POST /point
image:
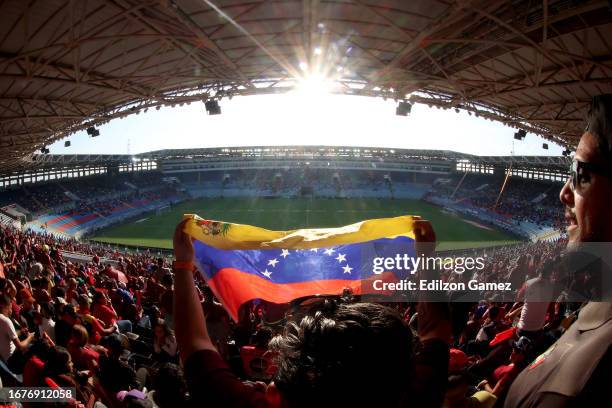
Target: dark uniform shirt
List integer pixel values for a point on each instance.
(575, 371)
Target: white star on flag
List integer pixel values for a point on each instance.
(329, 251)
(273, 262)
(347, 269)
(285, 253)
(267, 274)
(341, 258)
(314, 250)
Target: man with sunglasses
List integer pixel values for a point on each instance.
(575, 370)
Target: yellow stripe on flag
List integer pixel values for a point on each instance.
(224, 235)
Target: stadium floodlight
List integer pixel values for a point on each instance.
(212, 107)
(67, 143)
(520, 135)
(545, 146)
(403, 108)
(91, 130)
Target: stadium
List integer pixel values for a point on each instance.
(137, 200)
(260, 297)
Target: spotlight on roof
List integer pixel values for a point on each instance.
(44, 150)
(90, 130)
(545, 146)
(93, 132)
(520, 135)
(212, 107)
(67, 143)
(403, 108)
(566, 152)
(457, 110)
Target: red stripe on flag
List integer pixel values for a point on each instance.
(234, 288)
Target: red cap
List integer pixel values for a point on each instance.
(458, 360)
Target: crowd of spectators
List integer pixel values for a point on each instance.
(522, 200)
(105, 326)
(44, 196)
(107, 207)
(35, 198)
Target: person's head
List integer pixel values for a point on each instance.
(588, 192)
(342, 348)
(79, 336)
(495, 313)
(41, 349)
(84, 302)
(5, 305)
(167, 280)
(114, 345)
(99, 298)
(69, 315)
(169, 385)
(154, 313)
(58, 363)
(161, 330)
(520, 349)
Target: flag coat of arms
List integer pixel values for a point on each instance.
(242, 262)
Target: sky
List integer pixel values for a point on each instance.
(304, 117)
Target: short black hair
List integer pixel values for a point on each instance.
(169, 385)
(57, 362)
(353, 355)
(600, 123)
(494, 312)
(113, 343)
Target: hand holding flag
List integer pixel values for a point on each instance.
(242, 262)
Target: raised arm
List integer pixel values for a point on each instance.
(189, 322)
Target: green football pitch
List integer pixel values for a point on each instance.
(155, 230)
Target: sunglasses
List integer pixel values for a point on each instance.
(577, 169)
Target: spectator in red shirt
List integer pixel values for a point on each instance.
(33, 369)
(83, 356)
(503, 376)
(103, 310)
(353, 355)
(95, 327)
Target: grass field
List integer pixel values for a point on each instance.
(151, 230)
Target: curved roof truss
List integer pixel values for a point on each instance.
(66, 65)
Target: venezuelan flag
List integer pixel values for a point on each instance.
(242, 262)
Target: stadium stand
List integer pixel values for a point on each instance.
(83, 316)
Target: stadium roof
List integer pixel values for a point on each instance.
(67, 65)
(41, 162)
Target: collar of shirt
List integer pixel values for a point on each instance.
(594, 315)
